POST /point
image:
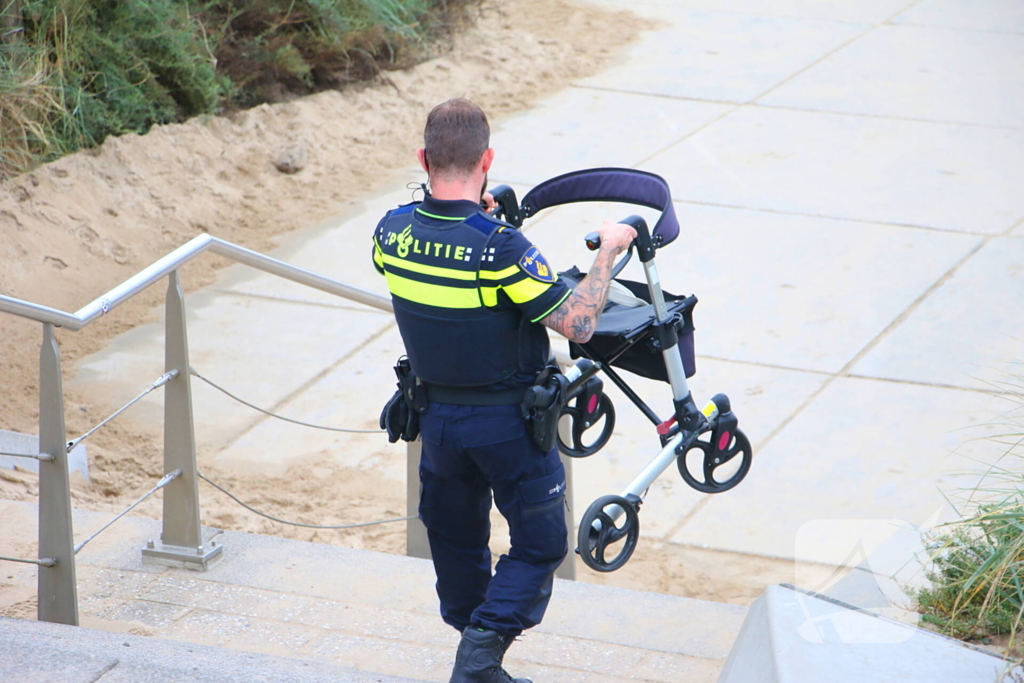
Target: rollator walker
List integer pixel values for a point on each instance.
(646, 331)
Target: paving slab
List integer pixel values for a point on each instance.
(863, 450)
(929, 74)
(968, 333)
(793, 291)
(718, 56)
(872, 11)
(973, 15)
(878, 170)
(580, 128)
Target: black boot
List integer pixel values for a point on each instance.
(478, 659)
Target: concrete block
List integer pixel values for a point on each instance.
(719, 56)
(866, 169)
(929, 74)
(791, 636)
(15, 442)
(970, 15)
(968, 333)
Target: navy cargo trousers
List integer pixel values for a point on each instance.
(468, 453)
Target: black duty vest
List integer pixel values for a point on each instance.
(433, 274)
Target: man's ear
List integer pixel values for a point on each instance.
(487, 159)
(421, 154)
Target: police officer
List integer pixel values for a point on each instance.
(472, 297)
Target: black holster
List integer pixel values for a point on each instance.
(401, 414)
(542, 405)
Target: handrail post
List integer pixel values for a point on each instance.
(416, 542)
(180, 544)
(57, 586)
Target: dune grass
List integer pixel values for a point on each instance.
(977, 579)
(73, 72)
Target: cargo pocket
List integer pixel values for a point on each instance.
(542, 532)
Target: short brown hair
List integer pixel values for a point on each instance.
(456, 136)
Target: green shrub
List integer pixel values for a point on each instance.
(977, 578)
(80, 70)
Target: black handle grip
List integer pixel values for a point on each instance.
(593, 239)
(635, 222)
(508, 205)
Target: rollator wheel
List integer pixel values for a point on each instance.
(601, 422)
(716, 471)
(603, 545)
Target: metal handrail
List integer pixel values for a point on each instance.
(180, 543)
(174, 260)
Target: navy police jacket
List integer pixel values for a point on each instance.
(468, 292)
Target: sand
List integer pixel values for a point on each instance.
(74, 228)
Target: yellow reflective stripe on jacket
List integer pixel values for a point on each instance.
(520, 291)
(499, 274)
(525, 290)
(431, 294)
(436, 271)
(378, 256)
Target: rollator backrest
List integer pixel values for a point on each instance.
(626, 185)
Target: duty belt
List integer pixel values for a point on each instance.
(474, 396)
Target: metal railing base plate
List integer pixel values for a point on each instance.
(197, 559)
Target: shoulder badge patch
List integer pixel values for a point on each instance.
(534, 265)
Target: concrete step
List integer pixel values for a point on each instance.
(38, 652)
(375, 612)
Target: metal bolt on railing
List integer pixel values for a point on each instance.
(41, 457)
(43, 562)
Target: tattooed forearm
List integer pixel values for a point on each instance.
(576, 319)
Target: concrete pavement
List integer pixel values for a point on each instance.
(848, 176)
